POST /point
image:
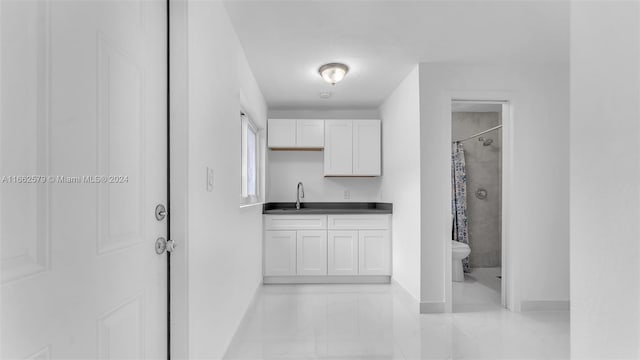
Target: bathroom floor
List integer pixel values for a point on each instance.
(480, 291)
(381, 322)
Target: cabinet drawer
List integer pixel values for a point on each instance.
(358, 222)
(295, 222)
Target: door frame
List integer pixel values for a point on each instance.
(509, 291)
(168, 198)
(177, 121)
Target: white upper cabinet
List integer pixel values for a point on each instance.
(281, 133)
(366, 147)
(310, 133)
(295, 134)
(338, 147)
(352, 148)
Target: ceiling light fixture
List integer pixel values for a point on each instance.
(333, 72)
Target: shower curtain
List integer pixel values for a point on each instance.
(459, 198)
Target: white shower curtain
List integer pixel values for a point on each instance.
(459, 198)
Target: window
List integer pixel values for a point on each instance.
(250, 162)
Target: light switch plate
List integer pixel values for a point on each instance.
(347, 194)
(209, 179)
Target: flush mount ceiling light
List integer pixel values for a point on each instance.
(333, 73)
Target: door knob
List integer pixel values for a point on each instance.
(163, 245)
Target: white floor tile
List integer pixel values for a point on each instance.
(479, 292)
(374, 322)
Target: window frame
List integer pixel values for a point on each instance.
(245, 124)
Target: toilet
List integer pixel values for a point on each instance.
(459, 251)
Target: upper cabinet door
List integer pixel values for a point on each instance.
(366, 147)
(281, 133)
(338, 150)
(310, 134)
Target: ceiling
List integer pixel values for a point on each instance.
(286, 41)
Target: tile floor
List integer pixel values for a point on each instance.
(377, 322)
(480, 291)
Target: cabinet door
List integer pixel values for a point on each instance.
(280, 253)
(342, 258)
(366, 147)
(310, 134)
(374, 252)
(338, 152)
(281, 133)
(312, 252)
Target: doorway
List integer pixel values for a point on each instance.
(477, 205)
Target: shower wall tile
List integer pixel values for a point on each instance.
(483, 171)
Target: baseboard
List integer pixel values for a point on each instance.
(544, 305)
(410, 302)
(360, 279)
(432, 307)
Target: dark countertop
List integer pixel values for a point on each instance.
(331, 208)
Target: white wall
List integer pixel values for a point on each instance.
(539, 247)
(400, 114)
(219, 260)
(287, 168)
(605, 178)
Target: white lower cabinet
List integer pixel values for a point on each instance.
(312, 252)
(343, 252)
(280, 253)
(374, 252)
(312, 246)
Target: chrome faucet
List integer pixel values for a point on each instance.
(298, 195)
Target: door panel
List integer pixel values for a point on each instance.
(310, 133)
(281, 133)
(343, 252)
(374, 252)
(83, 116)
(312, 252)
(366, 147)
(338, 151)
(279, 253)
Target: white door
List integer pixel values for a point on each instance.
(366, 147)
(312, 252)
(279, 253)
(374, 252)
(83, 117)
(338, 140)
(310, 133)
(281, 133)
(342, 252)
